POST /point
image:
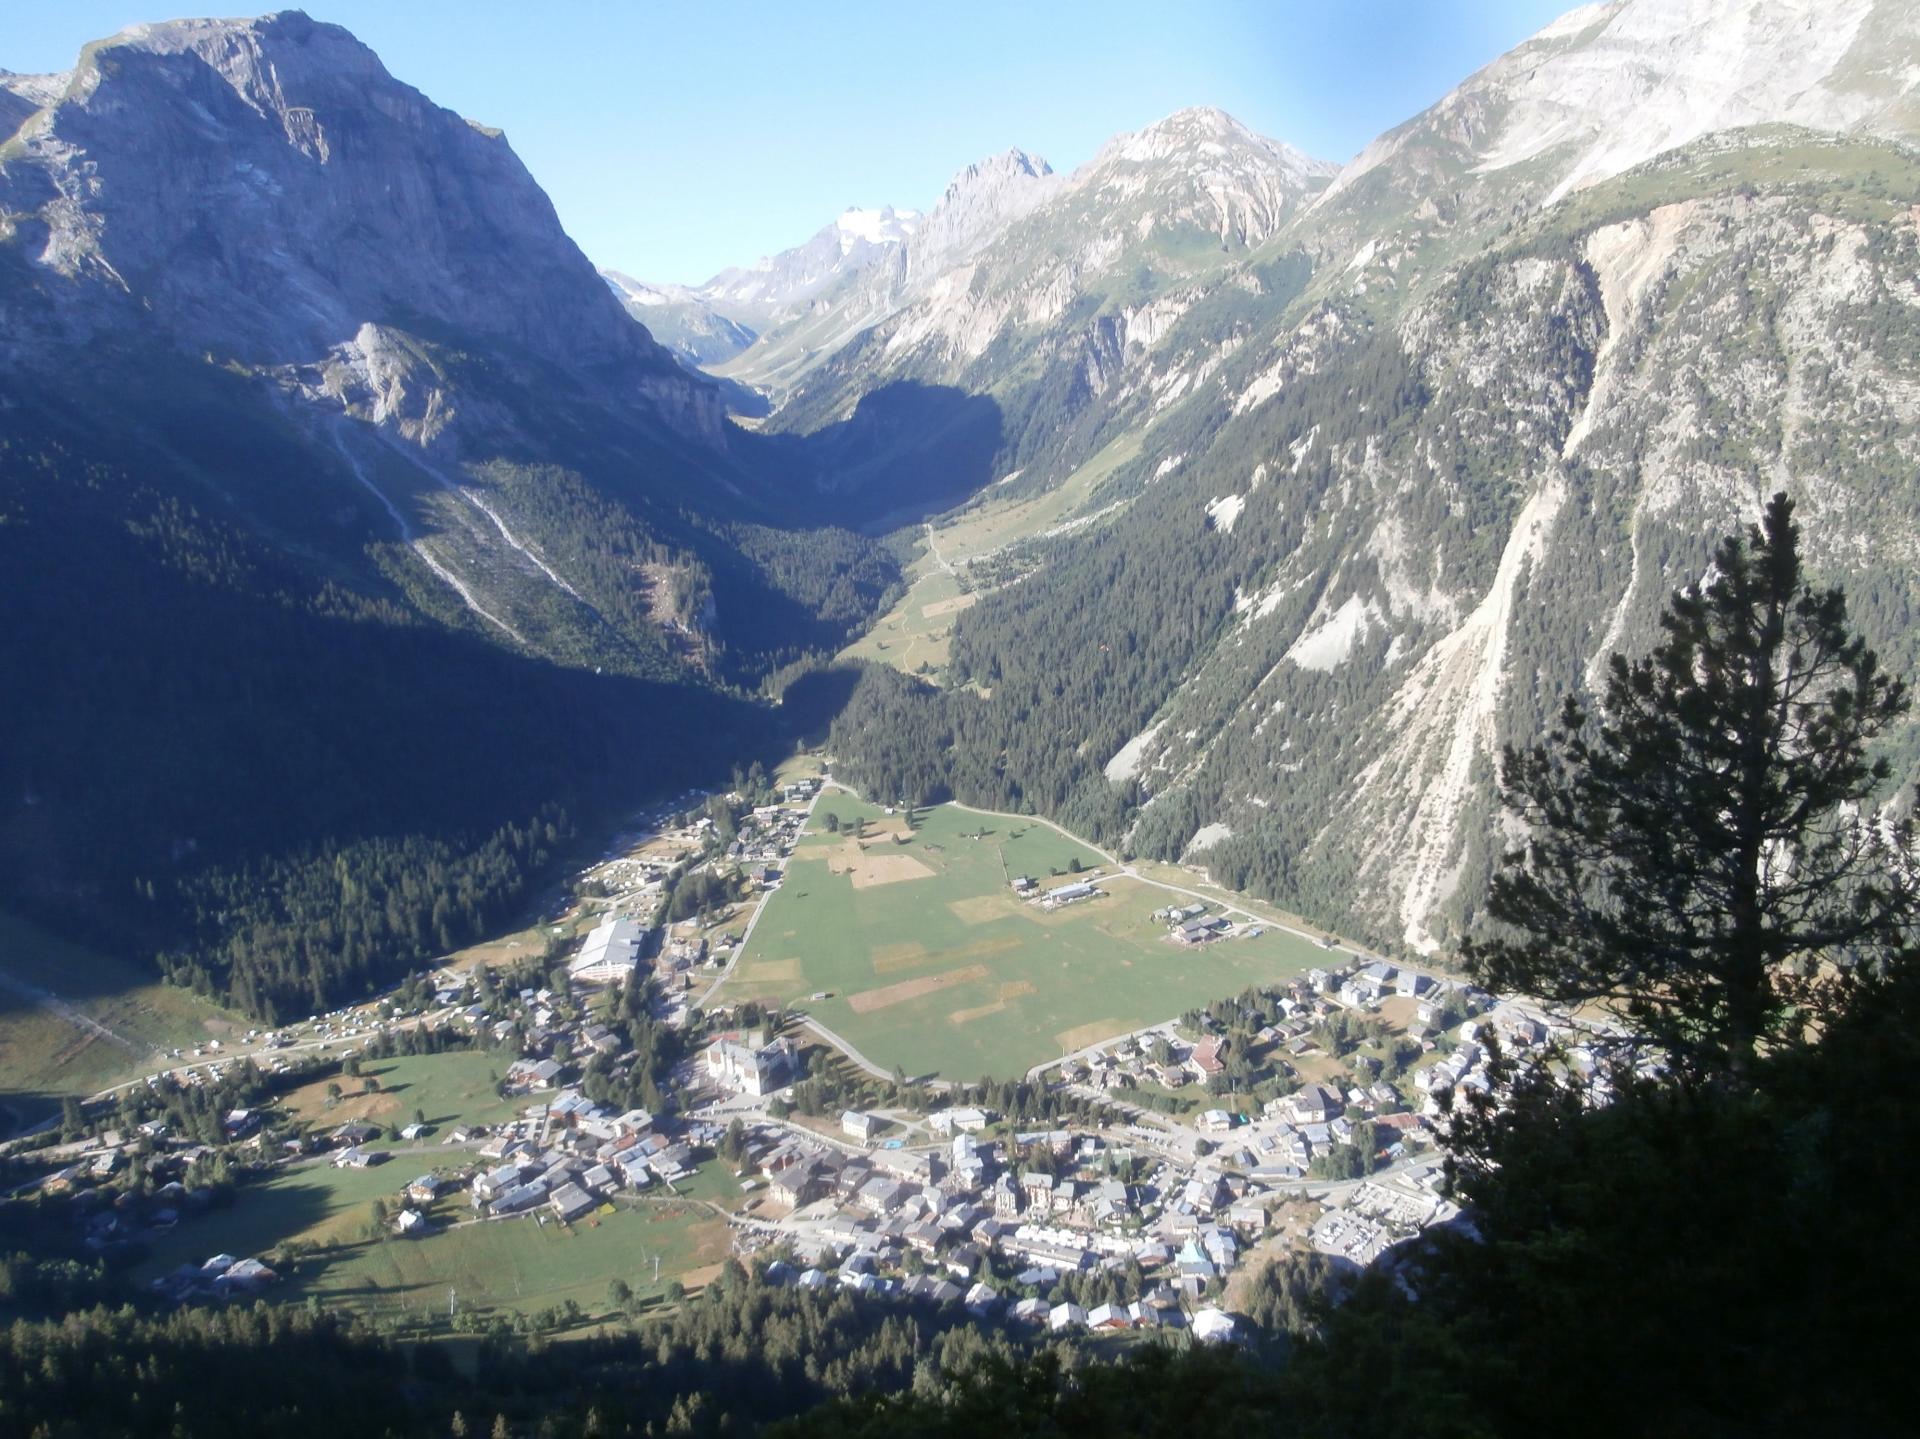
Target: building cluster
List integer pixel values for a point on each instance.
(570, 1156)
(767, 833)
(998, 1224)
(1362, 1225)
(1195, 923)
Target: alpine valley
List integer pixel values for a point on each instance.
(365, 548)
(1213, 792)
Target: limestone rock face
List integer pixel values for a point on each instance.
(264, 188)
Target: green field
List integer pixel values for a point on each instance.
(916, 635)
(459, 1087)
(516, 1263)
(522, 1264)
(933, 965)
(44, 1055)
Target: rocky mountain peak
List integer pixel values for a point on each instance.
(1202, 138)
(979, 202)
(1202, 167)
(1607, 87)
(265, 191)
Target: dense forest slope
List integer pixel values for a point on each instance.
(1441, 442)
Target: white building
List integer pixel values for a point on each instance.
(612, 951)
(752, 1069)
(1213, 1326)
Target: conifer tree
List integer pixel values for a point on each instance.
(1701, 854)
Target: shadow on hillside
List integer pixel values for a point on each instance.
(813, 701)
(907, 452)
(21, 1109)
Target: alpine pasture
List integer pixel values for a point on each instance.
(930, 962)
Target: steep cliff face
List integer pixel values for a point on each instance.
(261, 198)
(265, 188)
(1525, 359)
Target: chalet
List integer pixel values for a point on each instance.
(1216, 1121)
(1109, 1316)
(851, 1179)
(671, 1162)
(534, 1073)
(599, 1179)
(798, 1184)
(570, 1201)
(1066, 1316)
(857, 1125)
(879, 1194)
(425, 1189)
(1401, 1126)
(1206, 1056)
(963, 1261)
(1519, 1029)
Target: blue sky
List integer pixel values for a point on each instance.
(677, 139)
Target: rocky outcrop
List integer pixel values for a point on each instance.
(264, 189)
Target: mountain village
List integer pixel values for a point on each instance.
(1125, 1218)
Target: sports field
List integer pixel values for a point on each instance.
(933, 964)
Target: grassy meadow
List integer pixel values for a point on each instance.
(519, 1263)
(931, 963)
(45, 1055)
(450, 1089)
